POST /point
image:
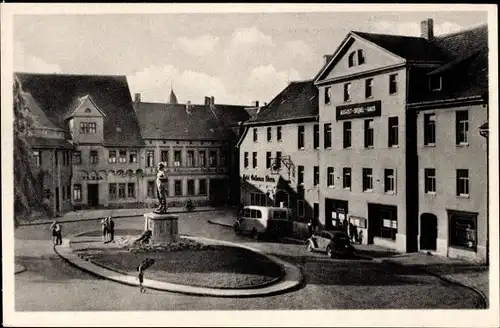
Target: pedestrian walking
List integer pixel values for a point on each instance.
(111, 224)
(140, 275)
(104, 227)
(56, 233)
(59, 234)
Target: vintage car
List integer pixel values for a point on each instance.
(261, 221)
(333, 242)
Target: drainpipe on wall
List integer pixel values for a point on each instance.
(484, 133)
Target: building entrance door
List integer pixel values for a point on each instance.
(93, 194)
(428, 231)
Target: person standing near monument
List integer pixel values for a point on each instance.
(161, 188)
(111, 226)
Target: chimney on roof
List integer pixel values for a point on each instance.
(188, 107)
(137, 97)
(257, 103)
(212, 100)
(207, 101)
(327, 58)
(427, 29)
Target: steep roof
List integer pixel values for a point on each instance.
(407, 47)
(49, 143)
(466, 74)
(297, 100)
(231, 115)
(57, 95)
(40, 119)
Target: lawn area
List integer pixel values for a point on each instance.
(213, 266)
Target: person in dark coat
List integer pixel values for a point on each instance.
(111, 227)
(104, 227)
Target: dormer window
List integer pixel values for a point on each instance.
(435, 83)
(87, 110)
(356, 57)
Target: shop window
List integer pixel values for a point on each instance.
(330, 182)
(347, 134)
(393, 84)
(430, 181)
(463, 230)
(328, 135)
(368, 133)
(77, 192)
(393, 131)
(301, 135)
(316, 136)
(462, 127)
(151, 189)
(346, 178)
(429, 129)
(463, 183)
(367, 179)
(131, 190)
(112, 191)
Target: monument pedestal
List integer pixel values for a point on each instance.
(164, 227)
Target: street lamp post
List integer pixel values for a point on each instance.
(483, 131)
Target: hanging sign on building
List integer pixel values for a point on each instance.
(368, 109)
(254, 177)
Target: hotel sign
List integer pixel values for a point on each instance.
(254, 177)
(368, 109)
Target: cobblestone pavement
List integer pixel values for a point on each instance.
(51, 284)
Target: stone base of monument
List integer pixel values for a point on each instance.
(164, 227)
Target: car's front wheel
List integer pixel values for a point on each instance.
(329, 251)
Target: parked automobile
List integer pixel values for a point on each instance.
(333, 242)
(262, 220)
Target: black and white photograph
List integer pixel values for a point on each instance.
(250, 165)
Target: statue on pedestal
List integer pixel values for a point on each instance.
(161, 188)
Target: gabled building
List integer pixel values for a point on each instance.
(197, 144)
(94, 114)
(279, 153)
(372, 97)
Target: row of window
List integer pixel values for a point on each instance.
(66, 158)
(393, 89)
(389, 178)
(122, 156)
(462, 182)
(88, 128)
(461, 128)
(191, 160)
(178, 188)
(269, 134)
(121, 190)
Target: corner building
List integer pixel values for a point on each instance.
(279, 152)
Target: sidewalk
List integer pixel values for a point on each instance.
(117, 213)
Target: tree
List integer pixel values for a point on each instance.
(27, 197)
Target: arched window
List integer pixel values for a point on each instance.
(352, 59)
(361, 57)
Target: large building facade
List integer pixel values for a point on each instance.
(91, 152)
(373, 98)
(279, 152)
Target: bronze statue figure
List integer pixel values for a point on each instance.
(161, 188)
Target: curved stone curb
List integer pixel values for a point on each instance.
(481, 296)
(18, 268)
(292, 279)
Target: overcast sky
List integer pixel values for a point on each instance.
(237, 58)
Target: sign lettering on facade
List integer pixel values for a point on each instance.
(254, 177)
(368, 109)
